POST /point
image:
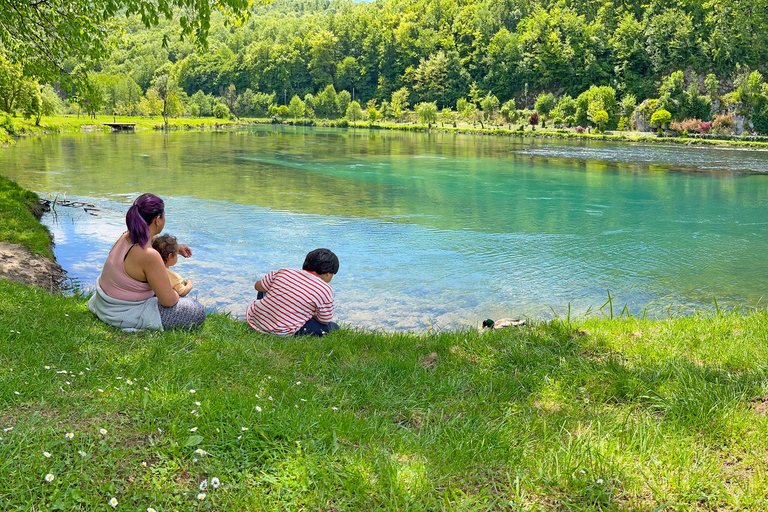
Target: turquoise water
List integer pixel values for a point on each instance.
(439, 228)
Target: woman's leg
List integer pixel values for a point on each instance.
(315, 328)
(187, 313)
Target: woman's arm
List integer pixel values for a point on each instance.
(157, 277)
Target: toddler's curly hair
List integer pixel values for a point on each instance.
(166, 245)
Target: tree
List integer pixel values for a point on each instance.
(12, 83)
(427, 112)
(545, 102)
(370, 109)
(220, 111)
(399, 103)
(342, 101)
(661, 118)
(203, 102)
(46, 34)
(489, 104)
(50, 103)
(600, 119)
(169, 94)
(354, 112)
(296, 108)
(229, 97)
(508, 111)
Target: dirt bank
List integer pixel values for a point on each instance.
(18, 264)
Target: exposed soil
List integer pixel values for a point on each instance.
(20, 265)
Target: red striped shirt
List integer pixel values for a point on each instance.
(293, 297)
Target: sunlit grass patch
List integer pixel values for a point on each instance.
(595, 415)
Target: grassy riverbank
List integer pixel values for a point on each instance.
(69, 124)
(599, 415)
(18, 224)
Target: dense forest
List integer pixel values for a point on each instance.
(582, 62)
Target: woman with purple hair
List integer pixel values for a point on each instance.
(133, 291)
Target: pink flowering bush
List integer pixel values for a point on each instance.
(579, 129)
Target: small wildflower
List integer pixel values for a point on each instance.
(193, 411)
(69, 435)
(194, 460)
(200, 451)
(244, 429)
(47, 367)
(118, 378)
(87, 369)
(334, 408)
(146, 388)
(129, 382)
(296, 406)
(67, 383)
(582, 472)
(193, 429)
(62, 371)
(302, 399)
(215, 483)
(239, 437)
(16, 393)
(586, 400)
(113, 502)
(81, 453)
(269, 398)
(7, 429)
(599, 481)
(159, 430)
(103, 431)
(100, 390)
(81, 373)
(217, 430)
(298, 383)
(258, 409)
(144, 463)
(150, 509)
(204, 485)
(192, 391)
(197, 404)
(46, 455)
(201, 496)
(257, 396)
(49, 477)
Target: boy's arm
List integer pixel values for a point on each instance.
(324, 313)
(263, 284)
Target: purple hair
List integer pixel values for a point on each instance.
(144, 210)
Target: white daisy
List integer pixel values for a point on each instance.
(113, 502)
(47, 367)
(215, 483)
(200, 451)
(204, 485)
(192, 391)
(244, 429)
(193, 429)
(150, 509)
(100, 390)
(46, 455)
(69, 435)
(258, 409)
(81, 453)
(197, 404)
(599, 481)
(201, 496)
(49, 477)
(103, 431)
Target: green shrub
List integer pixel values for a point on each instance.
(661, 117)
(220, 111)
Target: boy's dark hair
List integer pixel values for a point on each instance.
(321, 261)
(166, 245)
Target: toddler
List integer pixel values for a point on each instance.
(168, 248)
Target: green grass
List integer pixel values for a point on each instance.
(17, 223)
(600, 415)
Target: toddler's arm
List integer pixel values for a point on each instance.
(187, 288)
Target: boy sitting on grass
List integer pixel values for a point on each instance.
(296, 302)
(168, 248)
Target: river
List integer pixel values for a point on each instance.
(432, 230)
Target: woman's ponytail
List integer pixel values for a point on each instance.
(143, 211)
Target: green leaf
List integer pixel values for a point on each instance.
(193, 441)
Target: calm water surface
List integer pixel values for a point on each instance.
(438, 228)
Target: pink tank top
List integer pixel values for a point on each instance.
(116, 282)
